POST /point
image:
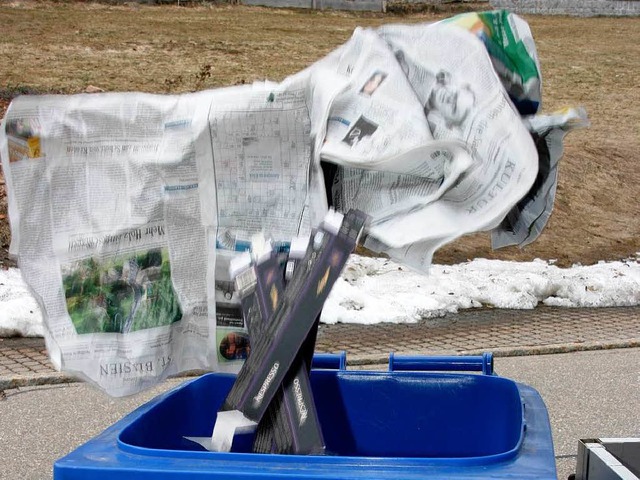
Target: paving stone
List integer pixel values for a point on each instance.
(505, 332)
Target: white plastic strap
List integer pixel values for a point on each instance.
(229, 423)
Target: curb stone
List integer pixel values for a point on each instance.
(505, 333)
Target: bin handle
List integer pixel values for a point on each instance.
(330, 361)
(454, 363)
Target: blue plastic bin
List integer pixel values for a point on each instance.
(377, 425)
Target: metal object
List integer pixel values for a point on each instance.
(608, 459)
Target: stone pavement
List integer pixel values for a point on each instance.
(24, 361)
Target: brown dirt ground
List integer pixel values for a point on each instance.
(594, 62)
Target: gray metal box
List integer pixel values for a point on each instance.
(608, 459)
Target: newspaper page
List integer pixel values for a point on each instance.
(526, 220)
(462, 102)
(254, 161)
(377, 130)
(107, 231)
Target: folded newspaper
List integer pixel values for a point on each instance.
(126, 209)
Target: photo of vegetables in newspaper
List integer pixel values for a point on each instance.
(122, 294)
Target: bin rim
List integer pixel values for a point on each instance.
(328, 460)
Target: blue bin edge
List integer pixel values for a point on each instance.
(103, 458)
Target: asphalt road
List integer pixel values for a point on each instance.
(588, 395)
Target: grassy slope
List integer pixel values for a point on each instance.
(592, 62)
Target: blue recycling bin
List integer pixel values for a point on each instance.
(406, 423)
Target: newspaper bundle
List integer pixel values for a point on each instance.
(126, 208)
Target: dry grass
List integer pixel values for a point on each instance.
(164, 49)
(168, 49)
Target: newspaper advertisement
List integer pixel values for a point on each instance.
(127, 209)
(509, 43)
